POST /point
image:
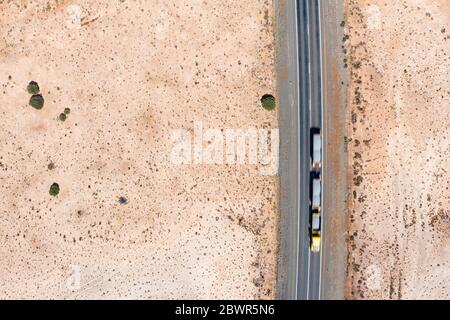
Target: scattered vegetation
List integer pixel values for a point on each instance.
(54, 189)
(37, 101)
(123, 200)
(33, 87)
(62, 117)
(268, 102)
(357, 181)
(66, 111)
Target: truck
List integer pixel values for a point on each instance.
(316, 199)
(316, 194)
(315, 232)
(316, 150)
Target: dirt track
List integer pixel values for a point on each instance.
(399, 148)
(131, 72)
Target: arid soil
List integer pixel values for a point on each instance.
(399, 149)
(131, 72)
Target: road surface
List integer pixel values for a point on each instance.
(298, 25)
(310, 57)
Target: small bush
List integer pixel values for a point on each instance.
(268, 102)
(33, 87)
(123, 200)
(66, 110)
(37, 101)
(54, 189)
(62, 117)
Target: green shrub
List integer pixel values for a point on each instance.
(33, 87)
(66, 110)
(37, 101)
(62, 117)
(123, 200)
(54, 189)
(268, 102)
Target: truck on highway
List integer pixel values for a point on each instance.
(316, 199)
(315, 232)
(316, 194)
(316, 149)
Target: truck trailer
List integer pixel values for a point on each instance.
(316, 156)
(316, 202)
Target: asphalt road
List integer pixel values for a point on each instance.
(300, 90)
(288, 91)
(310, 104)
(311, 94)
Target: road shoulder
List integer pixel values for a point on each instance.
(335, 185)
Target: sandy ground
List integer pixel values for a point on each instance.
(399, 147)
(132, 72)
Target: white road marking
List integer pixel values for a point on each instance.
(310, 106)
(319, 8)
(309, 58)
(298, 138)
